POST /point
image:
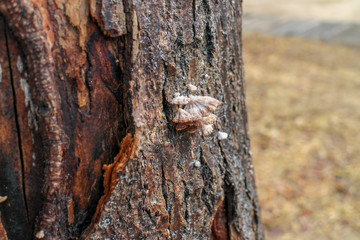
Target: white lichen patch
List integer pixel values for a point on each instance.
(19, 65)
(33, 156)
(222, 135)
(28, 103)
(26, 88)
(197, 164)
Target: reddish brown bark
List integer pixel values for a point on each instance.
(78, 77)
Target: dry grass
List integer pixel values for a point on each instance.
(304, 112)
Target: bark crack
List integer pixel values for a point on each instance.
(165, 104)
(165, 196)
(207, 176)
(194, 18)
(209, 38)
(17, 124)
(186, 195)
(87, 79)
(167, 109)
(228, 190)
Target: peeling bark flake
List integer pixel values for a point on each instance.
(110, 16)
(113, 17)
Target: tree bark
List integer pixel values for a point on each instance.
(88, 148)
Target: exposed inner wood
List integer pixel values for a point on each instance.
(128, 149)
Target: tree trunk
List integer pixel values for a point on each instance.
(88, 148)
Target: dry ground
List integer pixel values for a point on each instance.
(304, 111)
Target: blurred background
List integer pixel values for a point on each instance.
(302, 70)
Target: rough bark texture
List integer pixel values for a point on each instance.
(84, 81)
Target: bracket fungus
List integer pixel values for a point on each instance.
(197, 114)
